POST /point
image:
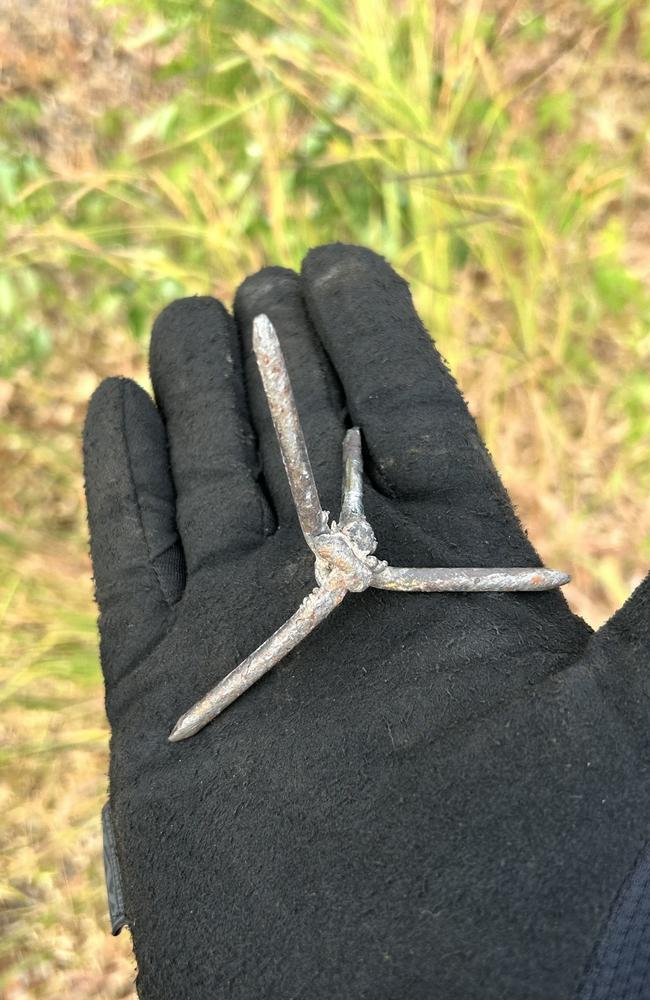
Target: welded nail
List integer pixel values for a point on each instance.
(277, 388)
(468, 579)
(313, 610)
(343, 551)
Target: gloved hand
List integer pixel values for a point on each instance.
(434, 795)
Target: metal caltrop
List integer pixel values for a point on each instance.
(343, 551)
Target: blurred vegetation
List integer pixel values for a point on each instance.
(495, 152)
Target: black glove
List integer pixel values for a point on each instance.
(434, 795)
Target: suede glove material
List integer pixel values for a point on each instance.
(434, 795)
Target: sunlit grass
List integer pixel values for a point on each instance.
(52, 777)
(495, 153)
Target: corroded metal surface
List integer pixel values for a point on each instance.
(352, 520)
(352, 490)
(467, 580)
(275, 379)
(344, 561)
(315, 607)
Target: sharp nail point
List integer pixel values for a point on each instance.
(177, 733)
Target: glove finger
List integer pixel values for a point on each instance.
(619, 653)
(276, 292)
(137, 558)
(422, 444)
(196, 372)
